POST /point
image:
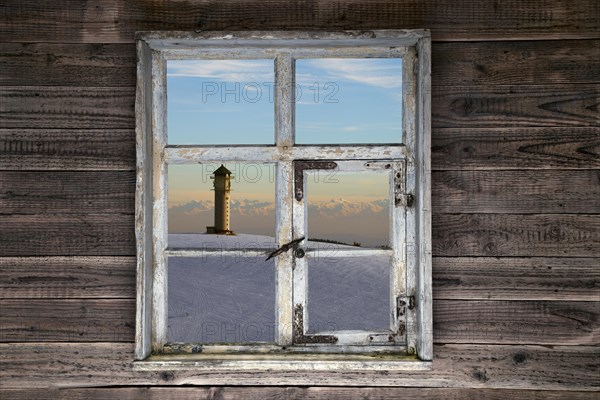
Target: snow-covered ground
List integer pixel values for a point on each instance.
(232, 299)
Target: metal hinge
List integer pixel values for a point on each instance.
(403, 303)
(406, 200)
(300, 337)
(300, 166)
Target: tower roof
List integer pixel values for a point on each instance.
(222, 171)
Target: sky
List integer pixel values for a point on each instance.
(231, 102)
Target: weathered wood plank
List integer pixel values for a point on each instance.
(455, 321)
(67, 234)
(515, 148)
(49, 64)
(505, 192)
(67, 149)
(512, 106)
(454, 235)
(81, 320)
(516, 63)
(478, 278)
(38, 365)
(478, 148)
(464, 63)
(67, 107)
(113, 21)
(289, 393)
(42, 192)
(67, 277)
(475, 106)
(514, 235)
(518, 322)
(509, 278)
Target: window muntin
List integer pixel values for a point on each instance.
(412, 150)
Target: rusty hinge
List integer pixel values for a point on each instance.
(403, 303)
(300, 337)
(301, 166)
(407, 200)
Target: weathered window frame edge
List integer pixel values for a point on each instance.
(150, 116)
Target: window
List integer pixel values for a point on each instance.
(283, 200)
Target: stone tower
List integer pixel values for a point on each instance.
(222, 187)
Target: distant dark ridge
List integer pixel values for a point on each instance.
(333, 241)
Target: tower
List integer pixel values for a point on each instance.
(222, 188)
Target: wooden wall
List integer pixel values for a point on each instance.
(516, 194)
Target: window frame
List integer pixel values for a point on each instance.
(154, 154)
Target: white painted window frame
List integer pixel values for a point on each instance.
(410, 214)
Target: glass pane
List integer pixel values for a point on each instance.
(340, 100)
(220, 101)
(231, 205)
(348, 208)
(215, 299)
(348, 293)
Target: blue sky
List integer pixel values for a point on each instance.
(337, 101)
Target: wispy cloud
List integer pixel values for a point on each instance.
(223, 70)
(383, 73)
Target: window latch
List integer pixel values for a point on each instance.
(285, 248)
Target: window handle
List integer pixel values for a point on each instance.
(285, 248)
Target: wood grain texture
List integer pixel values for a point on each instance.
(66, 107)
(506, 192)
(39, 365)
(115, 21)
(67, 149)
(67, 277)
(477, 278)
(515, 148)
(454, 235)
(288, 393)
(475, 106)
(43, 192)
(69, 234)
(532, 278)
(512, 106)
(518, 322)
(465, 63)
(453, 149)
(58, 64)
(81, 320)
(455, 321)
(516, 235)
(516, 63)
